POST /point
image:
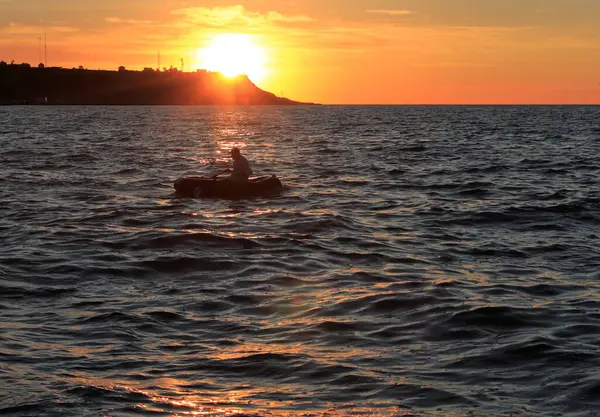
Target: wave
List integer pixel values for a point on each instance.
(19, 292)
(424, 258)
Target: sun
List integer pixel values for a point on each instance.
(232, 55)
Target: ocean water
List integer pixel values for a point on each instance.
(422, 261)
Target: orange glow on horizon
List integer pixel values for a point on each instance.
(233, 54)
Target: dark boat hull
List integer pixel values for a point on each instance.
(201, 187)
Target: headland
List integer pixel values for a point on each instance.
(24, 84)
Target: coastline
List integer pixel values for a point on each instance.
(21, 84)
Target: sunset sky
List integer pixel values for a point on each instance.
(337, 51)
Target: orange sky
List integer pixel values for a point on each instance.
(338, 51)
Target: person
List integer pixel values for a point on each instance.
(241, 167)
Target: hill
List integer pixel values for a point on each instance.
(23, 84)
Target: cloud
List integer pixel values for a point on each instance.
(118, 20)
(278, 17)
(237, 16)
(16, 30)
(391, 12)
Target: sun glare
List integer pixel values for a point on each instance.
(233, 55)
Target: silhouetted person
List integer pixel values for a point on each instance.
(241, 167)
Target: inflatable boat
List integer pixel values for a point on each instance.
(202, 187)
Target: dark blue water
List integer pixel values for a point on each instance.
(425, 261)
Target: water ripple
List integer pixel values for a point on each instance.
(422, 261)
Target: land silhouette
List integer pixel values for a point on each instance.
(24, 84)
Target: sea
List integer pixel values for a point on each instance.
(421, 261)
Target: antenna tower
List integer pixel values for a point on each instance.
(45, 49)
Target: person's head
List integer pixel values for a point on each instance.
(235, 153)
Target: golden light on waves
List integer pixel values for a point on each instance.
(234, 54)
